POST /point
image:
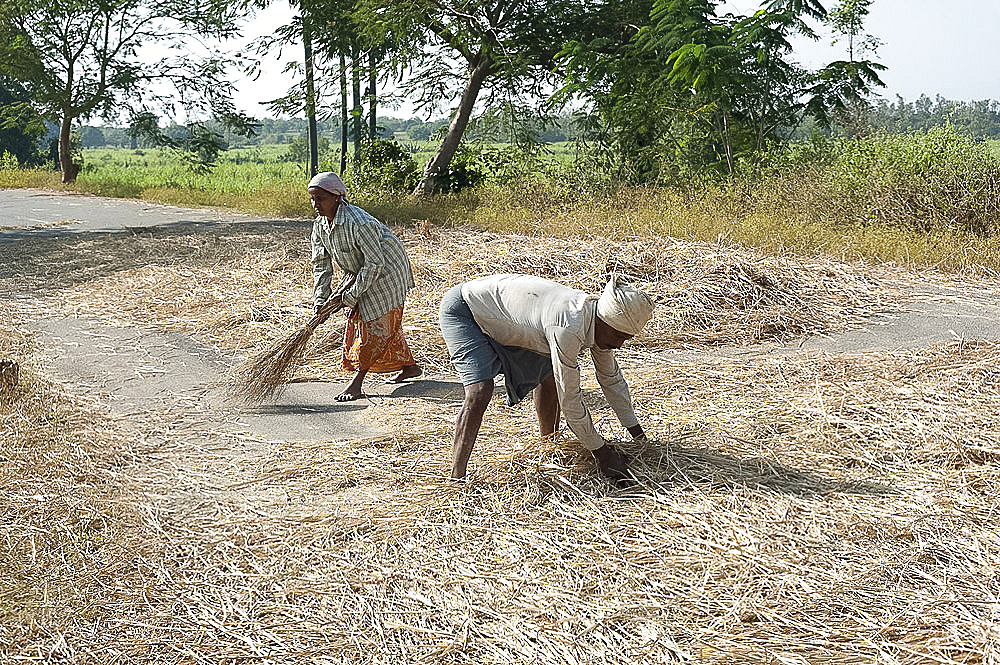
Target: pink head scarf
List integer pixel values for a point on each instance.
(331, 182)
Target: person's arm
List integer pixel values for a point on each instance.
(367, 239)
(565, 348)
(322, 269)
(615, 389)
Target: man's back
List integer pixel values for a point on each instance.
(518, 310)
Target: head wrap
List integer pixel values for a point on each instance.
(329, 181)
(623, 308)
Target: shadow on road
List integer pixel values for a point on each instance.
(48, 259)
(433, 388)
(663, 463)
(306, 409)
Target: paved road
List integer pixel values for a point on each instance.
(938, 314)
(148, 369)
(28, 213)
(136, 370)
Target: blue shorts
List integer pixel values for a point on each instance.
(478, 357)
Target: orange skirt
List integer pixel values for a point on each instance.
(377, 346)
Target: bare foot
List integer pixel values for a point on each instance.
(408, 372)
(349, 395)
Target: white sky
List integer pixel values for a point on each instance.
(929, 46)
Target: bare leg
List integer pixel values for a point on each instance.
(470, 419)
(547, 407)
(353, 389)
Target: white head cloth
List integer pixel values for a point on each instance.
(329, 181)
(624, 308)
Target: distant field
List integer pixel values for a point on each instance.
(238, 171)
(923, 199)
(257, 179)
(126, 172)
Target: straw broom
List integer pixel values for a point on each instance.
(265, 375)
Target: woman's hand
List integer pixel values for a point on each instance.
(335, 303)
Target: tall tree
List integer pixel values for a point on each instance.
(841, 89)
(736, 68)
(21, 124)
(357, 108)
(310, 82)
(458, 48)
(328, 28)
(685, 89)
(372, 95)
(80, 58)
(343, 113)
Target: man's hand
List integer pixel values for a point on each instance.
(611, 463)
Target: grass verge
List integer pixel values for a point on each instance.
(785, 215)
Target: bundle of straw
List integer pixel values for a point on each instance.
(265, 375)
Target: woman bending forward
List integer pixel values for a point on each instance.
(366, 249)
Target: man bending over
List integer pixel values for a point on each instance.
(533, 330)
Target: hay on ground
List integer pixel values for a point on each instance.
(797, 509)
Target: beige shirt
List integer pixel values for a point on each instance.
(557, 321)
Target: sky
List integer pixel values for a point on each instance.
(929, 46)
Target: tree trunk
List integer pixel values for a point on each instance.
(372, 121)
(343, 114)
(727, 137)
(69, 169)
(436, 169)
(356, 112)
(310, 96)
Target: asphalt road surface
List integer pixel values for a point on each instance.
(136, 369)
(28, 213)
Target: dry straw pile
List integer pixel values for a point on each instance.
(245, 290)
(806, 508)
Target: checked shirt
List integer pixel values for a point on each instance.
(362, 246)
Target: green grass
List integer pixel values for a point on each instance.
(794, 211)
(994, 147)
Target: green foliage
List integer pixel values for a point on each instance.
(298, 149)
(477, 164)
(197, 145)
(979, 118)
(931, 181)
(464, 171)
(8, 161)
(21, 124)
(505, 48)
(79, 58)
(383, 164)
(689, 94)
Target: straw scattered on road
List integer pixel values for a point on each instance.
(796, 509)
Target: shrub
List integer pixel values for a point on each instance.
(383, 164)
(298, 150)
(933, 181)
(8, 161)
(502, 165)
